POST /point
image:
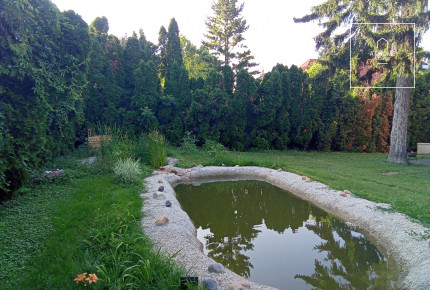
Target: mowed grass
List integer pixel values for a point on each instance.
(405, 187)
(87, 223)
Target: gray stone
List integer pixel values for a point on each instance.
(90, 161)
(172, 161)
(159, 195)
(239, 284)
(168, 203)
(210, 284)
(216, 268)
(161, 188)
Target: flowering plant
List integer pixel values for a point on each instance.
(53, 174)
(92, 278)
(49, 175)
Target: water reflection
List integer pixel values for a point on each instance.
(269, 236)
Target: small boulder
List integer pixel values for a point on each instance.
(343, 194)
(236, 166)
(210, 284)
(216, 268)
(161, 168)
(308, 179)
(173, 171)
(279, 169)
(304, 177)
(172, 161)
(162, 220)
(161, 188)
(239, 284)
(90, 161)
(187, 170)
(160, 181)
(168, 203)
(346, 191)
(159, 195)
(200, 166)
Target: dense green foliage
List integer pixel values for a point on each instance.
(60, 77)
(371, 64)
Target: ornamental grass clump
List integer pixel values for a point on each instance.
(156, 149)
(127, 171)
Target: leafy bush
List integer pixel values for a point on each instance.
(213, 148)
(189, 142)
(127, 171)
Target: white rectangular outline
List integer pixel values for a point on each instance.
(350, 57)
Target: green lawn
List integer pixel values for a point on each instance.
(85, 222)
(406, 188)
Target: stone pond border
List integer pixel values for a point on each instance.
(403, 238)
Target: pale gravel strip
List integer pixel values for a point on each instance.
(395, 232)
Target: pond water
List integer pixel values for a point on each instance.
(271, 237)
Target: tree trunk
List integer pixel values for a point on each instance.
(399, 131)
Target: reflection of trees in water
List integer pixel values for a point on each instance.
(352, 261)
(233, 214)
(235, 211)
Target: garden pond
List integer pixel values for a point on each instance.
(272, 237)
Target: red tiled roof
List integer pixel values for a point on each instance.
(307, 64)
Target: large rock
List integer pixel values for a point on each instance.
(168, 203)
(216, 268)
(210, 284)
(239, 284)
(159, 195)
(161, 188)
(162, 220)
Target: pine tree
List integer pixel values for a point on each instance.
(225, 35)
(133, 54)
(198, 61)
(100, 25)
(173, 46)
(334, 14)
(146, 98)
(162, 45)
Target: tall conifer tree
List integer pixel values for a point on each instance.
(225, 35)
(173, 46)
(162, 44)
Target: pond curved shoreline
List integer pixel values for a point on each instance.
(399, 235)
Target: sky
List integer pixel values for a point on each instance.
(273, 37)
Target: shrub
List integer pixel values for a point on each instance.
(189, 142)
(213, 148)
(127, 171)
(156, 147)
